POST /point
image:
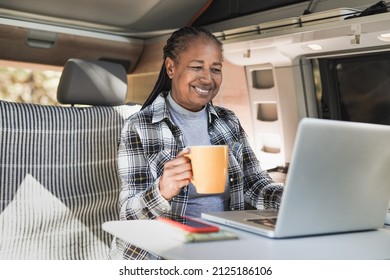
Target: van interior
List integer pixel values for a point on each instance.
(284, 60)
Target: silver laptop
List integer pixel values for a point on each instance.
(338, 181)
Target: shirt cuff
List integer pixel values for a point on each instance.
(158, 204)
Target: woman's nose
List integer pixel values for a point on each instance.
(205, 76)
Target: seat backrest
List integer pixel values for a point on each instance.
(92, 83)
(59, 183)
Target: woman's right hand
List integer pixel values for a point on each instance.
(176, 175)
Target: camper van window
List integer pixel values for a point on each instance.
(29, 83)
(355, 88)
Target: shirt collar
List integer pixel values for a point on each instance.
(159, 108)
(212, 112)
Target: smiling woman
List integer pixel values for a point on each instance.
(250, 97)
(197, 75)
(154, 168)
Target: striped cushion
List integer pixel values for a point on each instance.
(58, 180)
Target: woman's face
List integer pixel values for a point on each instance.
(196, 74)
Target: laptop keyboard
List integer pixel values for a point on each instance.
(266, 217)
(268, 222)
(265, 213)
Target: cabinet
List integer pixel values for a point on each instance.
(265, 114)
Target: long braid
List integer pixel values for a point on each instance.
(163, 84)
(176, 44)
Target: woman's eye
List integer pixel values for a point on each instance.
(212, 70)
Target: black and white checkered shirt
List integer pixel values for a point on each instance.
(149, 139)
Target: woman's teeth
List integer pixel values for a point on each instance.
(202, 90)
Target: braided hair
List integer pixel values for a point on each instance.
(176, 44)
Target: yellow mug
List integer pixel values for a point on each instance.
(209, 168)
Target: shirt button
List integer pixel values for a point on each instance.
(231, 179)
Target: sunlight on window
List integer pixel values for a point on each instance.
(28, 84)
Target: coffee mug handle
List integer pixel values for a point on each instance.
(191, 179)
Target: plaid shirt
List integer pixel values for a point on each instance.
(150, 138)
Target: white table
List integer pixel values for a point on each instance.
(156, 237)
